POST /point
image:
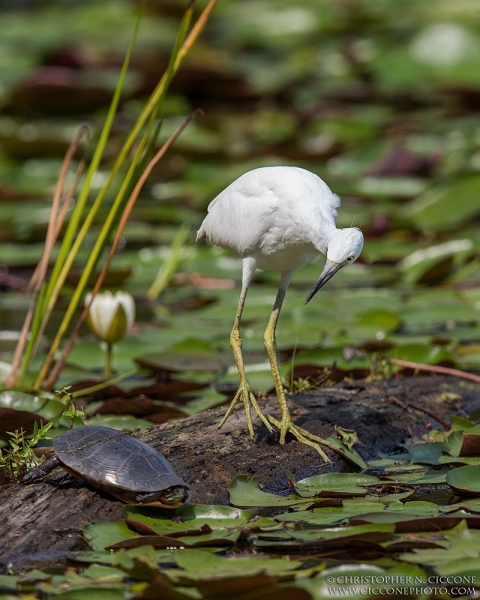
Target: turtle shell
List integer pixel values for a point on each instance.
(120, 464)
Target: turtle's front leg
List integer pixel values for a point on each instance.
(43, 469)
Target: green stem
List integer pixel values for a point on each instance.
(108, 362)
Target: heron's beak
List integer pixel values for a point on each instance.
(328, 272)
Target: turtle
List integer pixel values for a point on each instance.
(116, 463)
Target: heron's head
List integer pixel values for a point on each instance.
(343, 249)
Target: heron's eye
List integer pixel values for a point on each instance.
(349, 259)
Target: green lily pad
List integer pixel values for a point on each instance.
(192, 517)
(426, 478)
(196, 564)
(104, 574)
(108, 558)
(464, 543)
(326, 357)
(246, 492)
(119, 422)
(89, 592)
(9, 582)
(427, 454)
(327, 537)
(336, 484)
(433, 264)
(446, 207)
(471, 505)
(466, 570)
(100, 535)
(419, 353)
(140, 565)
(189, 355)
(345, 580)
(379, 319)
(46, 405)
(465, 480)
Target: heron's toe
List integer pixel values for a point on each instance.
(245, 395)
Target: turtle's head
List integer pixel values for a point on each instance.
(343, 249)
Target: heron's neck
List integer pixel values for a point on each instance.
(323, 239)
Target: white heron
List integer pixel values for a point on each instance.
(277, 219)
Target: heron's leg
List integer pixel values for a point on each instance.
(244, 393)
(286, 424)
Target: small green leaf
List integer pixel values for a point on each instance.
(347, 453)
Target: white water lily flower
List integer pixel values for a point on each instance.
(110, 316)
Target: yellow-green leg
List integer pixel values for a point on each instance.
(285, 424)
(244, 393)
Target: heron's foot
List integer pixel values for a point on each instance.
(244, 394)
(305, 437)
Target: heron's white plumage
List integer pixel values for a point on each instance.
(280, 216)
(278, 219)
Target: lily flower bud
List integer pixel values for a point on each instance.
(111, 316)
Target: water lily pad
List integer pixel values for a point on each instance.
(344, 578)
(445, 207)
(189, 355)
(46, 405)
(140, 565)
(246, 492)
(336, 484)
(104, 574)
(464, 543)
(197, 564)
(9, 582)
(419, 353)
(379, 319)
(101, 535)
(465, 480)
(427, 454)
(329, 537)
(425, 478)
(88, 592)
(471, 505)
(119, 422)
(326, 357)
(433, 264)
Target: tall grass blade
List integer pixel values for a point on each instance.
(123, 221)
(169, 267)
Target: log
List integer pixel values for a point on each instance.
(41, 524)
